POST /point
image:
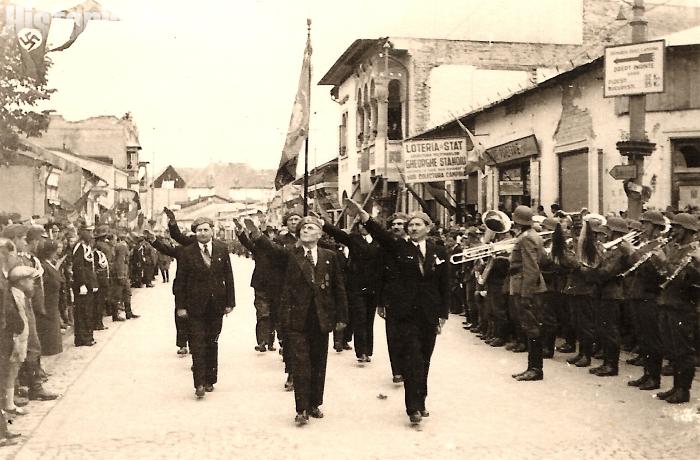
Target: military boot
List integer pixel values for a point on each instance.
(36, 391)
(641, 380)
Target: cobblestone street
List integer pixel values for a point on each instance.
(131, 396)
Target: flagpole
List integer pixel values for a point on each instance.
(306, 141)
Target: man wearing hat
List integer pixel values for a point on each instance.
(420, 302)
(312, 304)
(388, 286)
(677, 302)
(204, 292)
(612, 263)
(642, 291)
(84, 287)
(526, 285)
(104, 261)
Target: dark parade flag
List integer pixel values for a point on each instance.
(298, 124)
(31, 27)
(441, 195)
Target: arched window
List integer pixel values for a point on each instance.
(395, 112)
(360, 118)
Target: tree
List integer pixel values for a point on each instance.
(20, 97)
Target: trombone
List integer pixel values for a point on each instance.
(630, 237)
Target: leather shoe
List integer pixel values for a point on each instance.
(118, 319)
(133, 316)
(301, 418)
(585, 361)
(574, 359)
(315, 412)
(289, 384)
(41, 395)
(515, 376)
(639, 381)
(474, 329)
(182, 351)
(635, 361)
(271, 348)
(260, 348)
(12, 435)
(338, 347)
(497, 342)
(665, 394)
(530, 375)
(547, 353)
(16, 411)
(607, 371)
(415, 418)
(346, 347)
(209, 388)
(520, 348)
(652, 383)
(21, 402)
(595, 370)
(7, 442)
(199, 392)
(566, 348)
(424, 413)
(680, 396)
(397, 379)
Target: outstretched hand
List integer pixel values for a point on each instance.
(239, 226)
(356, 208)
(169, 213)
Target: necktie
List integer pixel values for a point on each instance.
(310, 258)
(421, 259)
(206, 256)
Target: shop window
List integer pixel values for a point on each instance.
(686, 153)
(394, 112)
(514, 186)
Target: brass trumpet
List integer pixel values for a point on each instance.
(630, 237)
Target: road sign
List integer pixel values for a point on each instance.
(634, 69)
(624, 172)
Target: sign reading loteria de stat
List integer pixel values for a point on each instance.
(636, 68)
(435, 159)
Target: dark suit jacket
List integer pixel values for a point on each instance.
(267, 275)
(301, 290)
(364, 264)
(83, 270)
(429, 292)
(197, 284)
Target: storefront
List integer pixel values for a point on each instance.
(515, 179)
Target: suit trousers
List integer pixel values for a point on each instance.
(362, 310)
(392, 343)
(582, 306)
(83, 319)
(649, 338)
(308, 351)
(181, 330)
(100, 305)
(264, 332)
(121, 296)
(498, 310)
(204, 346)
(416, 340)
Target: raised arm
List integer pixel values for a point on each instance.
(175, 232)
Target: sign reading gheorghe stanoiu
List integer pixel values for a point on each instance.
(435, 159)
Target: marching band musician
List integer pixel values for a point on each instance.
(421, 305)
(607, 310)
(677, 304)
(642, 291)
(491, 282)
(526, 283)
(472, 310)
(580, 291)
(552, 299)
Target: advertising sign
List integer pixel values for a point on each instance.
(435, 160)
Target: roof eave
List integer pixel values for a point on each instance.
(343, 67)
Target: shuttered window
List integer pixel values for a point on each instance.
(573, 180)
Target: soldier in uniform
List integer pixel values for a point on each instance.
(84, 288)
(421, 301)
(526, 285)
(121, 287)
(677, 302)
(313, 303)
(608, 307)
(104, 259)
(643, 289)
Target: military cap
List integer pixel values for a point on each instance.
(201, 220)
(20, 272)
(399, 216)
(13, 231)
(685, 220)
(311, 220)
(420, 215)
(295, 211)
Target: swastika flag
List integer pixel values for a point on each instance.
(31, 27)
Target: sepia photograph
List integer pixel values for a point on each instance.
(398, 229)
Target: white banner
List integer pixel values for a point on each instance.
(435, 160)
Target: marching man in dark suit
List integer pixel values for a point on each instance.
(420, 307)
(204, 292)
(312, 304)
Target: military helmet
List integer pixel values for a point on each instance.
(655, 217)
(685, 220)
(617, 224)
(522, 215)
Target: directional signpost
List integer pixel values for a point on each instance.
(634, 69)
(624, 172)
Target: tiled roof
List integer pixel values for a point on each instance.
(224, 176)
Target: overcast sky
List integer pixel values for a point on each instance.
(214, 80)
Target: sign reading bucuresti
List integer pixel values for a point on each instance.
(435, 160)
(634, 69)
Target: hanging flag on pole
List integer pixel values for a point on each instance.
(298, 124)
(475, 156)
(442, 195)
(31, 27)
(81, 15)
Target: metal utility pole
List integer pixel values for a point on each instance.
(638, 146)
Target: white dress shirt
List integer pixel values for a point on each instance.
(208, 245)
(314, 254)
(421, 246)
